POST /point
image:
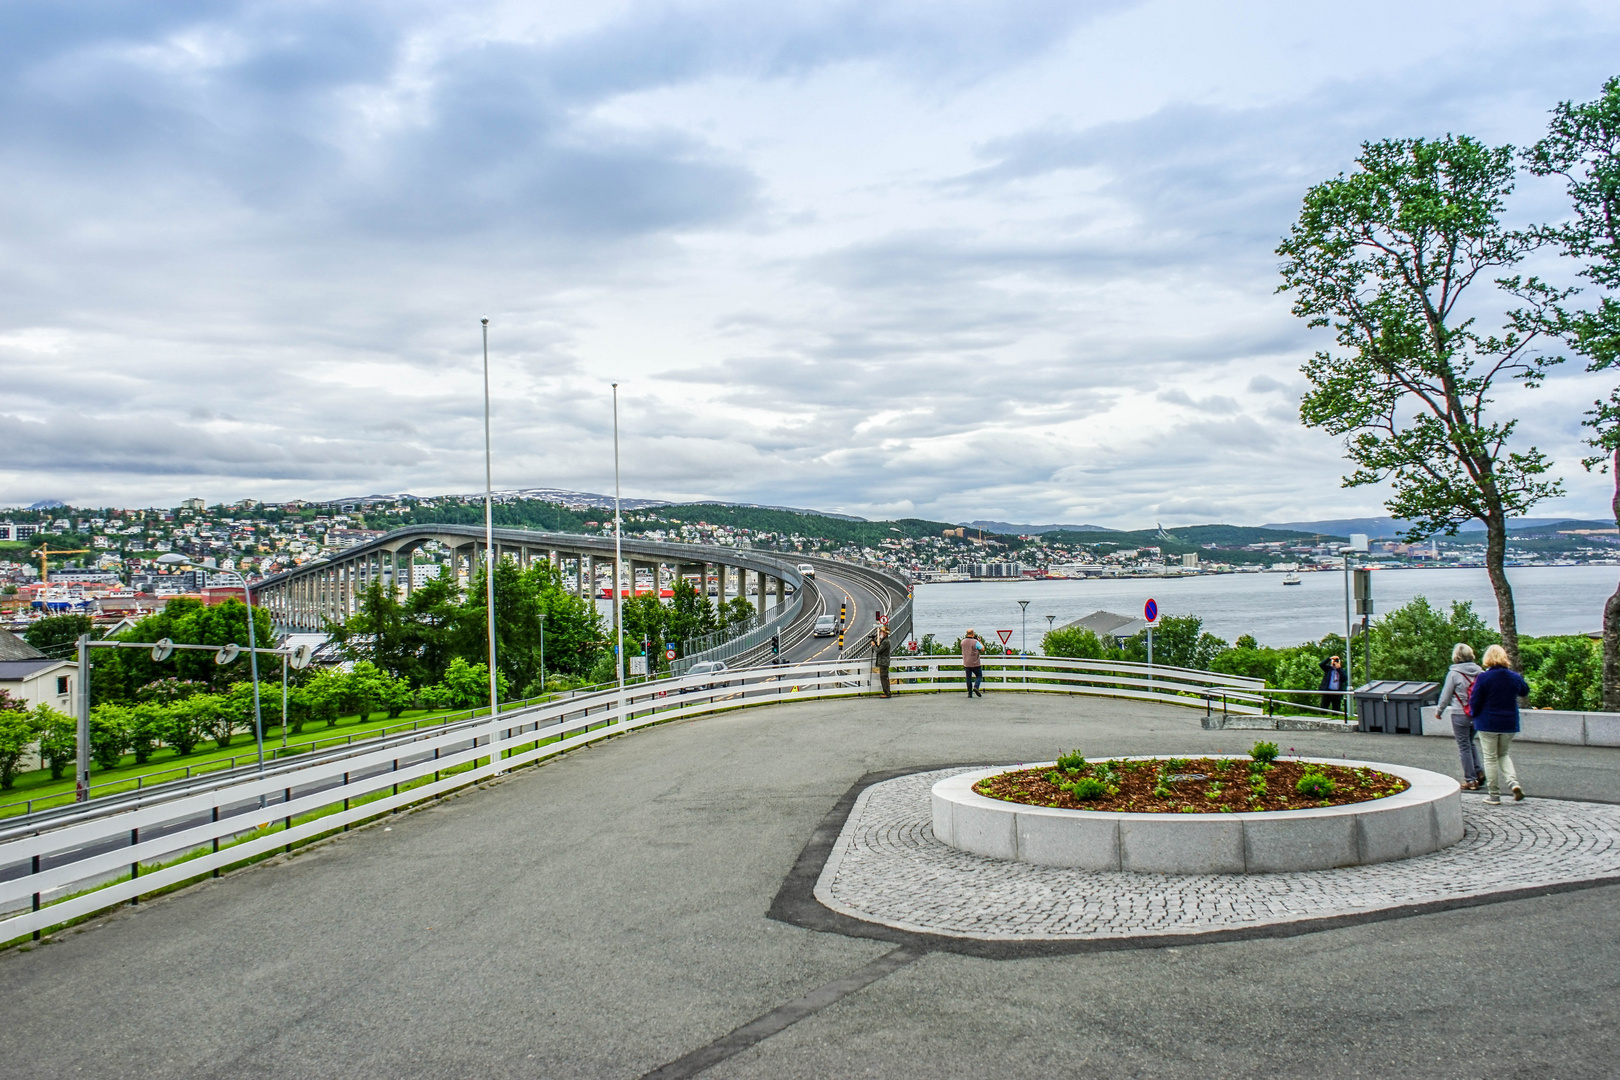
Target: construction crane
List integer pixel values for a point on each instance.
(47, 551)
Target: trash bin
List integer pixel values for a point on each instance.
(1394, 707)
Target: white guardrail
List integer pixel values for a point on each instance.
(119, 847)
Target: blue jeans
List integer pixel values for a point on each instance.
(975, 678)
(1462, 729)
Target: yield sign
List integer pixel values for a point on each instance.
(1004, 635)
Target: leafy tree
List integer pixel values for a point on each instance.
(1252, 661)
(1583, 146)
(54, 633)
(1075, 642)
(383, 632)
(120, 675)
(109, 734)
(17, 734)
(1415, 641)
(1386, 256)
(187, 722)
(1179, 641)
(147, 726)
(465, 686)
(1564, 672)
(58, 739)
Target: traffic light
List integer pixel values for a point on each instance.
(776, 645)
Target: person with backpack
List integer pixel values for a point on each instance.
(1454, 706)
(1494, 705)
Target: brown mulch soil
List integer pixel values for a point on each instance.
(1189, 785)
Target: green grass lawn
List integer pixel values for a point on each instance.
(165, 764)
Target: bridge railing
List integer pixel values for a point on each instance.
(749, 640)
(62, 866)
(1234, 694)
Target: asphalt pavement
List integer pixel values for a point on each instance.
(606, 916)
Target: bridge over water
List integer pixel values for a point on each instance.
(319, 592)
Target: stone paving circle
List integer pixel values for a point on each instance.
(888, 868)
(1426, 817)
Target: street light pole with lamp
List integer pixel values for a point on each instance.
(1023, 618)
(489, 537)
(618, 552)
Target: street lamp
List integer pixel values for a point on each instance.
(1023, 618)
(618, 551)
(1049, 619)
(489, 535)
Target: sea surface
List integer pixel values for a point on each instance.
(1549, 599)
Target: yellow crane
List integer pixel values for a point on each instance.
(46, 551)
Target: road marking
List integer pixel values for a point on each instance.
(853, 608)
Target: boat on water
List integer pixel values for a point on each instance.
(1291, 579)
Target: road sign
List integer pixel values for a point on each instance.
(638, 665)
(883, 620)
(1150, 613)
(1004, 635)
(669, 654)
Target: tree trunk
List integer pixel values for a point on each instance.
(1611, 617)
(1495, 558)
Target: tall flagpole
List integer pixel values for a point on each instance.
(489, 536)
(618, 546)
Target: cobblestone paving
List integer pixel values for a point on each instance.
(888, 868)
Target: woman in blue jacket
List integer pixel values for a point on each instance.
(1494, 705)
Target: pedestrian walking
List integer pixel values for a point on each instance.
(972, 665)
(882, 650)
(1332, 680)
(1454, 706)
(1494, 704)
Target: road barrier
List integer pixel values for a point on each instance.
(59, 866)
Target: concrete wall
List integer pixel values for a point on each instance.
(1548, 726)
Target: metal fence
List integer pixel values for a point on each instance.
(65, 864)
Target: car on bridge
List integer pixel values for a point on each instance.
(807, 570)
(826, 626)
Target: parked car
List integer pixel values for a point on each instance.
(826, 626)
(807, 570)
(707, 667)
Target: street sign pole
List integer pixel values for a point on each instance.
(1150, 615)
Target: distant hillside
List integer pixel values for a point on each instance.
(808, 523)
(1008, 529)
(1376, 527)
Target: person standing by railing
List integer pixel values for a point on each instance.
(1333, 687)
(1494, 704)
(882, 650)
(972, 663)
(1454, 706)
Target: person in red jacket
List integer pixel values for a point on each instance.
(1494, 705)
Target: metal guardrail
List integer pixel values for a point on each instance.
(747, 642)
(56, 869)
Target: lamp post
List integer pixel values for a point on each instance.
(1023, 618)
(489, 536)
(1049, 619)
(542, 653)
(618, 551)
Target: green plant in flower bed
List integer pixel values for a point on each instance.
(1264, 752)
(1088, 787)
(1315, 784)
(1073, 761)
(1257, 784)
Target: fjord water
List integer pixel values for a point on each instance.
(1550, 600)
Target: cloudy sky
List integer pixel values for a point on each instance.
(946, 259)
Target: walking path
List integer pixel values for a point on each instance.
(620, 913)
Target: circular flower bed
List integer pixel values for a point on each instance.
(1202, 785)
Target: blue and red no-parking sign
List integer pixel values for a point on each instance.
(1150, 612)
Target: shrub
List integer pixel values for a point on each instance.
(17, 734)
(1075, 642)
(1264, 752)
(1563, 672)
(1088, 788)
(183, 725)
(1073, 761)
(1315, 785)
(109, 734)
(58, 739)
(147, 727)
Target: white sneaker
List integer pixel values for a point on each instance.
(1493, 800)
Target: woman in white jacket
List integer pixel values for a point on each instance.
(1453, 696)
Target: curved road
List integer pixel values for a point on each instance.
(861, 604)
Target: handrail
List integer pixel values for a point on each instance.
(109, 851)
